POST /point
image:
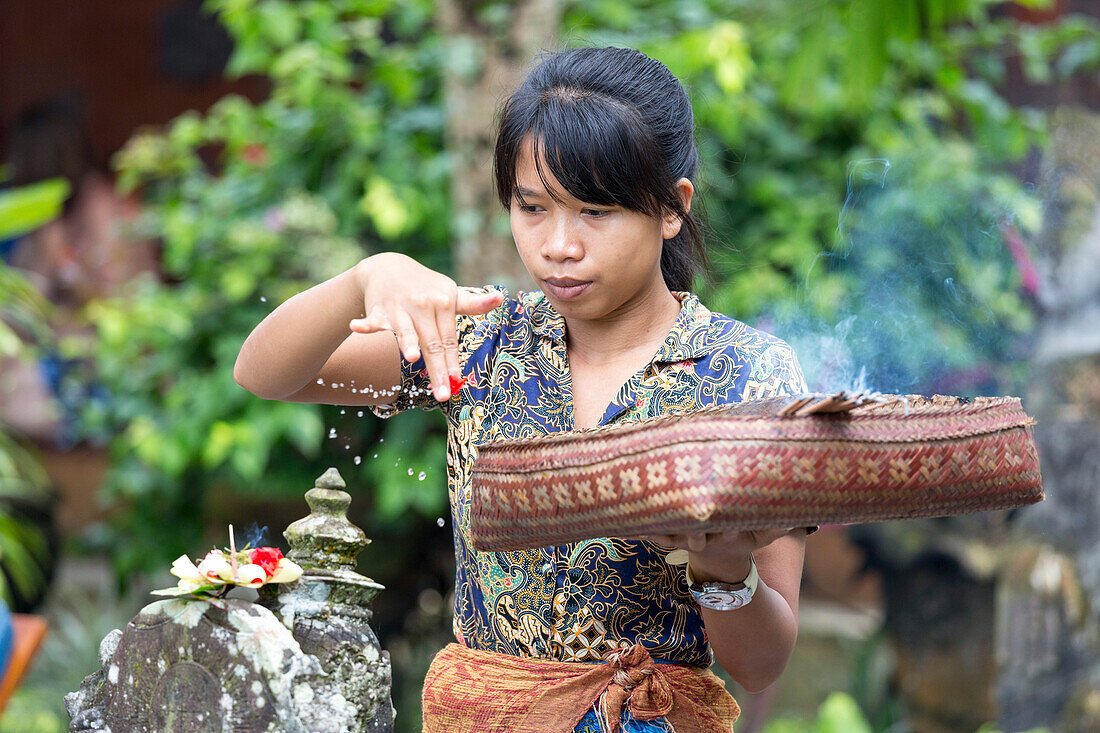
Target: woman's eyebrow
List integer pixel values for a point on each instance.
(525, 192)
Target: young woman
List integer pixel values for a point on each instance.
(594, 161)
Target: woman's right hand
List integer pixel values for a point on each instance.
(420, 306)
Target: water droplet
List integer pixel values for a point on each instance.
(375, 455)
(320, 381)
(332, 432)
(343, 412)
(381, 440)
(263, 299)
(347, 446)
(410, 471)
(358, 460)
(359, 414)
(422, 476)
(439, 522)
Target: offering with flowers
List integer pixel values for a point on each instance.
(220, 570)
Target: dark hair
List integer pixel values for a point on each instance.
(615, 128)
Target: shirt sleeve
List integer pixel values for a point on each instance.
(473, 334)
(788, 378)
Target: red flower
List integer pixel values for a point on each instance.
(456, 383)
(267, 558)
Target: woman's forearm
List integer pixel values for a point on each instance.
(289, 347)
(753, 643)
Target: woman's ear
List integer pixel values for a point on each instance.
(670, 225)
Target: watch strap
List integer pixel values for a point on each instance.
(724, 596)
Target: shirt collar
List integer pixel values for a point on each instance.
(688, 338)
(545, 321)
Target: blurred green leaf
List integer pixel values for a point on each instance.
(29, 207)
(840, 714)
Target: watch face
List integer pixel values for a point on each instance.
(720, 600)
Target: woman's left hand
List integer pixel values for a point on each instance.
(719, 556)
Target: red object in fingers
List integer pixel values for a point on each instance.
(456, 383)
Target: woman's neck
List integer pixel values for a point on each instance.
(639, 325)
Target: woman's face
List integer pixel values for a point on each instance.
(589, 260)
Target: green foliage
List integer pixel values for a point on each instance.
(24, 552)
(24, 315)
(991, 728)
(794, 103)
(253, 202)
(838, 714)
(411, 449)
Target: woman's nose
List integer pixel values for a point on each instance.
(563, 241)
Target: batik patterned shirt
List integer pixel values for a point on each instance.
(575, 602)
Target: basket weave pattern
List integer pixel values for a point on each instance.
(743, 467)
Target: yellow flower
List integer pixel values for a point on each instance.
(286, 571)
(184, 569)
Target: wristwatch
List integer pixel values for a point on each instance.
(725, 596)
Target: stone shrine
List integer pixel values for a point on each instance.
(302, 660)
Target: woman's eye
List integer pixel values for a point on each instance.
(529, 209)
(597, 213)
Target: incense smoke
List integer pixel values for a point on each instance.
(931, 296)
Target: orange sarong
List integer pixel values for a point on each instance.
(468, 690)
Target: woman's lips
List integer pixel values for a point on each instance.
(565, 288)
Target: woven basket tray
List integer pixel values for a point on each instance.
(745, 466)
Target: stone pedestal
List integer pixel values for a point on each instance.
(328, 607)
(303, 660)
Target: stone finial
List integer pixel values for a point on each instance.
(326, 539)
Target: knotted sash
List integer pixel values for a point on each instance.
(468, 690)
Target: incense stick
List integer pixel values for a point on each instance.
(232, 553)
